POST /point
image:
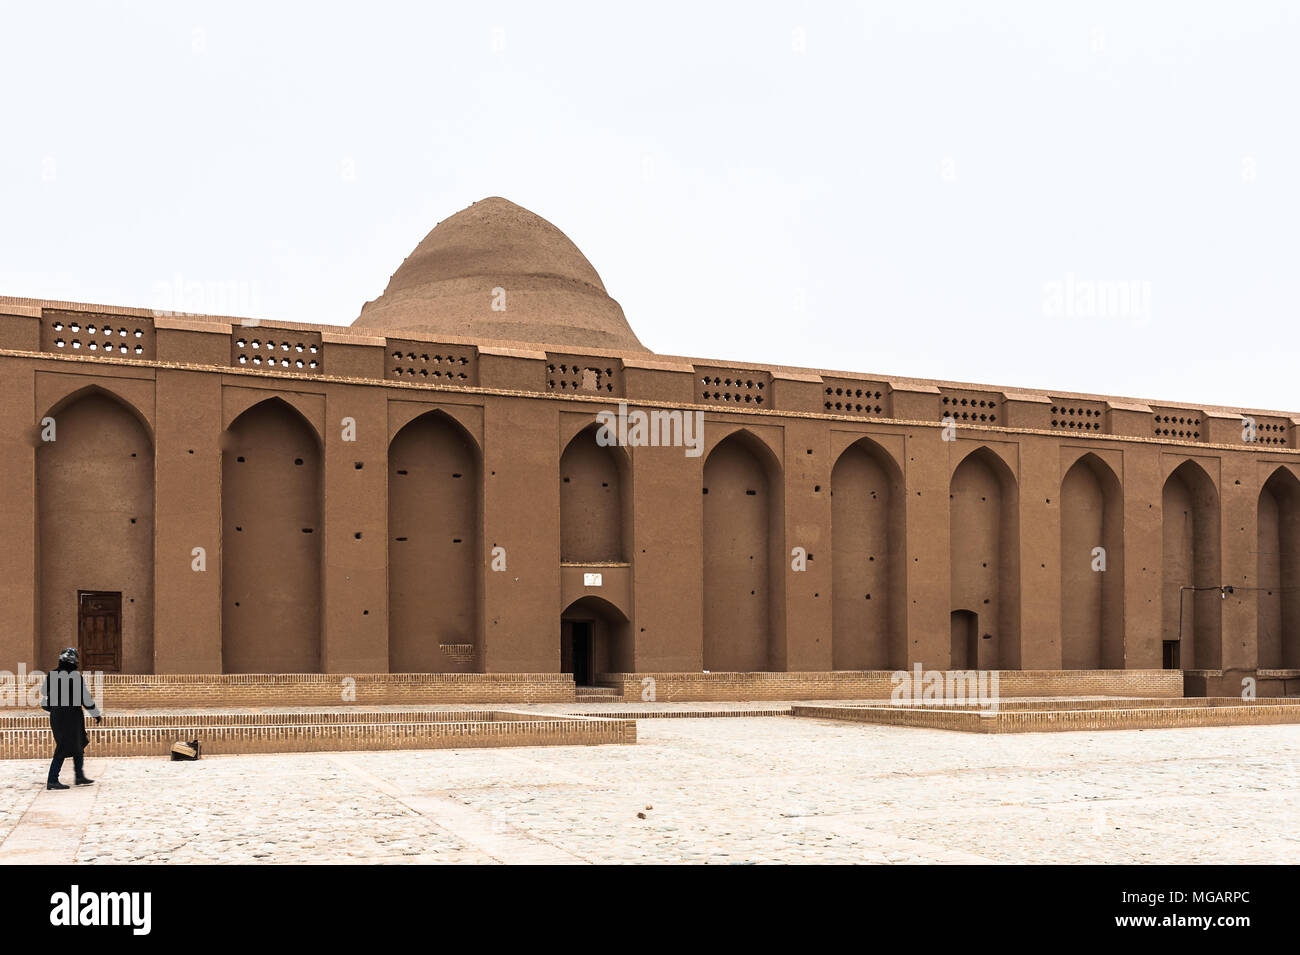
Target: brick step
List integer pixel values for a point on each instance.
(587, 694)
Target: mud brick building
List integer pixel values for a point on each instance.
(424, 492)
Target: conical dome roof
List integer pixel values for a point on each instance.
(449, 285)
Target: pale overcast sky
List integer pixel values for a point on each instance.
(924, 189)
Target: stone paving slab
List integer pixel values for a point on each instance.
(51, 829)
(739, 790)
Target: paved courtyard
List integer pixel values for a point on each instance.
(730, 790)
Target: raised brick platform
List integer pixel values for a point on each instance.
(28, 736)
(879, 684)
(187, 690)
(131, 691)
(1048, 716)
(231, 713)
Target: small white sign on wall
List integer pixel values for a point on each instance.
(591, 580)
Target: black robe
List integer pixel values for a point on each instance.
(64, 694)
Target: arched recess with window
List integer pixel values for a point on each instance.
(95, 472)
(434, 502)
(867, 543)
(743, 514)
(271, 542)
(1092, 567)
(1191, 599)
(595, 495)
(984, 563)
(1278, 632)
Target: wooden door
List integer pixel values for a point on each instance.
(99, 630)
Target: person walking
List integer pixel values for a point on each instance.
(63, 695)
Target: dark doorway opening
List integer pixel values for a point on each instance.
(99, 630)
(965, 652)
(582, 648)
(578, 651)
(1171, 655)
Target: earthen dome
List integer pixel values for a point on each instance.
(497, 271)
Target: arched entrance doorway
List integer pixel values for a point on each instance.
(594, 638)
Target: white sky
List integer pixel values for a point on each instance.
(878, 187)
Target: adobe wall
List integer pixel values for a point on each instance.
(941, 524)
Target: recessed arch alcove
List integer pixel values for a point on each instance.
(271, 542)
(434, 557)
(1092, 567)
(594, 497)
(742, 526)
(984, 563)
(1191, 599)
(95, 513)
(1278, 555)
(867, 542)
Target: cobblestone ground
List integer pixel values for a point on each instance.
(736, 790)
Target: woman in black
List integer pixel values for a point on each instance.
(63, 696)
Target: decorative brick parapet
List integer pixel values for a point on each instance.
(879, 684)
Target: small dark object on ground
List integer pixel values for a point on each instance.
(186, 751)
